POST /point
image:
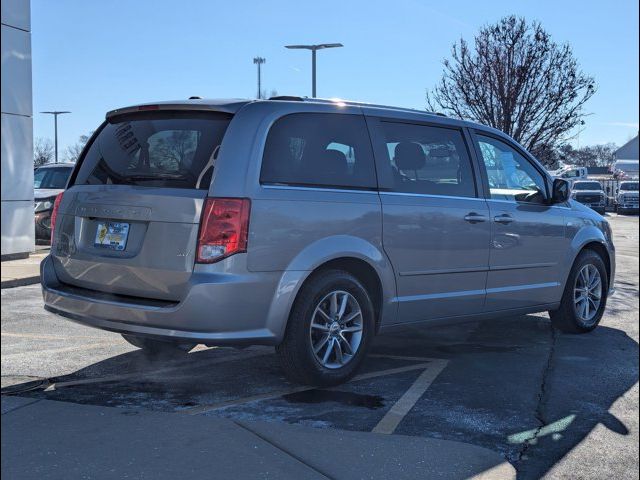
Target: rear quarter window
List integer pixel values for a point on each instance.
(318, 149)
(159, 149)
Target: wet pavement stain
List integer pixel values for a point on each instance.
(371, 402)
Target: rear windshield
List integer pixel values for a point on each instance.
(154, 149)
(587, 186)
(629, 186)
(51, 177)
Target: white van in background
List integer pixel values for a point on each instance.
(571, 173)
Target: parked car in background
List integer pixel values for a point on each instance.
(627, 198)
(48, 181)
(312, 225)
(591, 194)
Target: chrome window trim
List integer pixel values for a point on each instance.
(429, 195)
(511, 202)
(316, 189)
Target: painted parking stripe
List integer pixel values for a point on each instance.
(405, 403)
(52, 351)
(54, 337)
(267, 396)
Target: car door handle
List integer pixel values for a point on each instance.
(504, 219)
(474, 217)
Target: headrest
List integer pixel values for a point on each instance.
(409, 156)
(335, 162)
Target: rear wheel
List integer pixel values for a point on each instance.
(329, 330)
(158, 347)
(585, 295)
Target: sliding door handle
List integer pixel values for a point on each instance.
(474, 217)
(504, 219)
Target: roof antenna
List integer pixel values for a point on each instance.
(195, 97)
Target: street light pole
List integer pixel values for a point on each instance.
(55, 114)
(259, 61)
(314, 49)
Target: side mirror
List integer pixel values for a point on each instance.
(561, 191)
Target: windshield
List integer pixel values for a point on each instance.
(51, 177)
(629, 186)
(587, 186)
(158, 149)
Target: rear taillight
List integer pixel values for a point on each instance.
(224, 228)
(54, 214)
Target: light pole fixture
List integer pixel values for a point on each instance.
(259, 61)
(55, 114)
(314, 49)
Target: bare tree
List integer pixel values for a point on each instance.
(72, 153)
(589, 156)
(42, 151)
(516, 79)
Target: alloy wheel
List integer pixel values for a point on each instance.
(587, 294)
(336, 329)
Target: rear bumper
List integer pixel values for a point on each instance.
(219, 309)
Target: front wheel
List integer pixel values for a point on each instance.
(158, 347)
(585, 295)
(329, 330)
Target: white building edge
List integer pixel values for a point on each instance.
(17, 130)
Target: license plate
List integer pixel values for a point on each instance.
(112, 235)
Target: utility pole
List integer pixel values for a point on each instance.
(55, 114)
(314, 49)
(259, 61)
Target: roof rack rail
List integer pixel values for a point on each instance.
(291, 98)
(353, 103)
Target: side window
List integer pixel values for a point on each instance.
(511, 176)
(428, 160)
(319, 149)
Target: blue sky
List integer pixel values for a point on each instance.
(93, 56)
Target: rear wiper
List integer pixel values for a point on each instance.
(155, 177)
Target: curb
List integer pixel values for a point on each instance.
(20, 282)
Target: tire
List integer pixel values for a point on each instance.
(567, 318)
(158, 347)
(296, 352)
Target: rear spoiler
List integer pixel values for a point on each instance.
(229, 106)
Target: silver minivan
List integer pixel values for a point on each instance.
(312, 225)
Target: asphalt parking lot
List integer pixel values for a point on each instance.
(553, 404)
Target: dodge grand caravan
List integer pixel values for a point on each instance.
(312, 225)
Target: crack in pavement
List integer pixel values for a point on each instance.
(542, 394)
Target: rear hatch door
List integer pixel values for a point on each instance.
(128, 224)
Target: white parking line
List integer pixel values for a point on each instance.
(266, 396)
(53, 337)
(399, 410)
(50, 351)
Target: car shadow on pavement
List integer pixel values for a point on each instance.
(513, 385)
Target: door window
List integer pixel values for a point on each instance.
(428, 160)
(319, 149)
(511, 176)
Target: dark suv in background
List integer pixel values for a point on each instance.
(312, 225)
(48, 181)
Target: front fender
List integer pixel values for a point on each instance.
(582, 232)
(319, 253)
